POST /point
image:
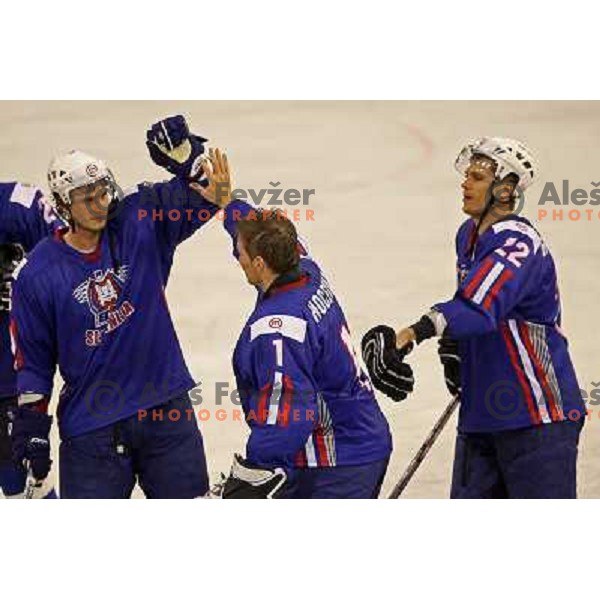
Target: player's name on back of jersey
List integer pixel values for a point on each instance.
(320, 302)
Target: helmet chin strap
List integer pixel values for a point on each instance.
(64, 212)
(71, 220)
(487, 208)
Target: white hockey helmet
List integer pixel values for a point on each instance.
(76, 169)
(510, 156)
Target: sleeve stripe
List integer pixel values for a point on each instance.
(529, 372)
(487, 304)
(488, 282)
(483, 270)
(14, 346)
(512, 353)
(262, 403)
(556, 413)
(286, 405)
(275, 399)
(311, 454)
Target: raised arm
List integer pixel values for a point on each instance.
(176, 209)
(25, 215)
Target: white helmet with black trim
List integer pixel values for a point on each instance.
(510, 157)
(74, 170)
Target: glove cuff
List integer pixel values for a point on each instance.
(32, 418)
(430, 325)
(424, 329)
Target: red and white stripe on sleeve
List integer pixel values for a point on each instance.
(487, 282)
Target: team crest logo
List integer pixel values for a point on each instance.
(101, 292)
(275, 323)
(92, 170)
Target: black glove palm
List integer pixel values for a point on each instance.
(385, 363)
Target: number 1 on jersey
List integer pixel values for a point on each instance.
(278, 352)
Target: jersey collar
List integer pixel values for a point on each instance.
(287, 281)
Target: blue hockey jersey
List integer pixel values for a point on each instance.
(506, 314)
(305, 397)
(103, 317)
(25, 219)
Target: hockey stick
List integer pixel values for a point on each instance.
(426, 446)
(29, 483)
(32, 485)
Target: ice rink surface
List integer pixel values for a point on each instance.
(386, 208)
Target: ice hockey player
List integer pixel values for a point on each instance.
(25, 219)
(316, 428)
(91, 300)
(501, 345)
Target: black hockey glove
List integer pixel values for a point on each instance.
(450, 359)
(249, 482)
(173, 147)
(30, 438)
(385, 363)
